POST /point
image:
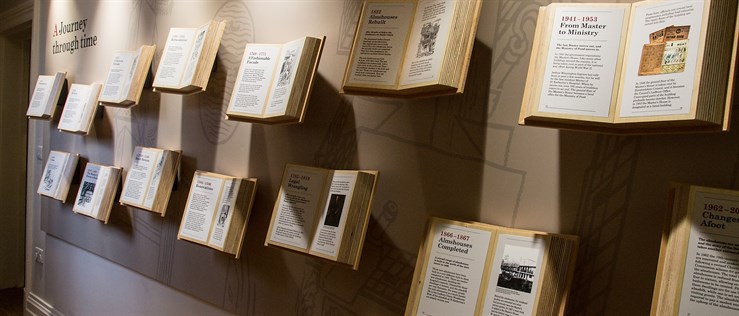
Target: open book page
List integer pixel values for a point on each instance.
(201, 204)
(710, 280)
(71, 118)
(120, 74)
(300, 195)
(156, 178)
(333, 217)
(429, 34)
(41, 95)
(140, 175)
(285, 77)
(174, 58)
(139, 58)
(255, 74)
(379, 46)
(79, 107)
(225, 209)
(454, 269)
(515, 273)
(582, 60)
(661, 59)
(85, 202)
(194, 55)
(104, 176)
(54, 173)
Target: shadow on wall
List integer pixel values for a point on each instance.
(615, 192)
(454, 128)
(449, 129)
(215, 277)
(596, 174)
(326, 139)
(379, 287)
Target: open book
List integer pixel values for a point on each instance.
(79, 109)
(126, 77)
(651, 66)
(149, 181)
(217, 211)
(275, 81)
(323, 212)
(698, 268)
(58, 174)
(97, 191)
(188, 58)
(46, 95)
(469, 268)
(411, 48)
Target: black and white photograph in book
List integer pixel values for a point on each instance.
(86, 195)
(335, 206)
(198, 43)
(518, 268)
(286, 69)
(48, 181)
(223, 215)
(428, 38)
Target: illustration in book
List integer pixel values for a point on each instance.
(88, 188)
(666, 51)
(286, 69)
(48, 180)
(427, 44)
(223, 215)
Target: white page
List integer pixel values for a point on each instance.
(581, 62)
(156, 178)
(668, 93)
(296, 206)
(201, 204)
(195, 52)
(711, 276)
(252, 84)
(285, 77)
(73, 112)
(39, 104)
(119, 77)
(98, 195)
(380, 44)
(174, 58)
(137, 179)
(132, 73)
(427, 42)
(333, 217)
(225, 213)
(53, 173)
(78, 109)
(454, 272)
(516, 271)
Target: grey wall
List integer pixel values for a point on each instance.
(459, 157)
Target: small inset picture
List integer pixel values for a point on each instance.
(198, 43)
(666, 51)
(86, 193)
(429, 31)
(48, 181)
(222, 215)
(286, 69)
(518, 268)
(335, 206)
